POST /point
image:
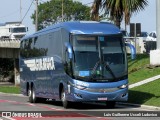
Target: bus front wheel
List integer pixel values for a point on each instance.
(63, 98)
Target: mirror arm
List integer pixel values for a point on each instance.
(133, 50)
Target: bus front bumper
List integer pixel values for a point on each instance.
(84, 95)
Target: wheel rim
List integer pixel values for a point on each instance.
(29, 92)
(33, 95)
(63, 96)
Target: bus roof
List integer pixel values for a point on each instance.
(81, 27)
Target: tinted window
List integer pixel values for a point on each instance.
(90, 49)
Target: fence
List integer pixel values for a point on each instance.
(9, 43)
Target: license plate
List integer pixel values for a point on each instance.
(102, 99)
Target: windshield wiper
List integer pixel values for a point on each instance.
(109, 69)
(94, 69)
(93, 73)
(106, 66)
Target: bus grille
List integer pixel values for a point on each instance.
(103, 90)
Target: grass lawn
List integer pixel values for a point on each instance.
(10, 89)
(143, 74)
(148, 94)
(139, 69)
(141, 61)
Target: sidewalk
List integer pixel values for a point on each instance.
(144, 81)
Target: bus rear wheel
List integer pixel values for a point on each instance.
(30, 95)
(65, 103)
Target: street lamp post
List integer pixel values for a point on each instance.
(155, 54)
(158, 23)
(62, 11)
(36, 20)
(20, 10)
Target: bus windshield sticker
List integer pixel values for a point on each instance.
(101, 39)
(83, 73)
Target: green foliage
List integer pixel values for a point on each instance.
(51, 12)
(148, 94)
(139, 69)
(141, 61)
(6, 68)
(143, 74)
(10, 89)
(118, 9)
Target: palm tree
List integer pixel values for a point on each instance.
(117, 9)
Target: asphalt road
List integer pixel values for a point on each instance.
(18, 108)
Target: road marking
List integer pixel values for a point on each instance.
(49, 108)
(9, 118)
(30, 104)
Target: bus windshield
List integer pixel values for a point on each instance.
(99, 58)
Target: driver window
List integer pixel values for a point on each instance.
(68, 65)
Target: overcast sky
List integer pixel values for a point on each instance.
(10, 12)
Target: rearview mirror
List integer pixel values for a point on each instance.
(69, 50)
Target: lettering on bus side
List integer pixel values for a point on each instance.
(40, 64)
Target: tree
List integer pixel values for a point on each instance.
(51, 12)
(117, 9)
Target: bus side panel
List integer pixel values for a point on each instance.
(42, 63)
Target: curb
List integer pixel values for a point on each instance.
(10, 94)
(152, 108)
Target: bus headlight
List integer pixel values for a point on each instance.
(77, 86)
(80, 87)
(123, 86)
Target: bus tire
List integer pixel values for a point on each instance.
(110, 104)
(32, 96)
(65, 103)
